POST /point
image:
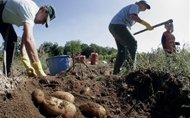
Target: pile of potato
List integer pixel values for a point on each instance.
(58, 103)
(61, 103)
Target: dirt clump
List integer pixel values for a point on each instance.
(143, 93)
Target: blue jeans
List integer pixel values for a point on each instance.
(126, 44)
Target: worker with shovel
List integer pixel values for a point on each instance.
(125, 42)
(23, 13)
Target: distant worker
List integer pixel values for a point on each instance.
(168, 39)
(126, 43)
(23, 13)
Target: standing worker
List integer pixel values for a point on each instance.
(125, 42)
(23, 13)
(168, 39)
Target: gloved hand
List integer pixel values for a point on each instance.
(38, 69)
(29, 69)
(147, 25)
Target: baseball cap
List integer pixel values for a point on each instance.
(144, 2)
(51, 14)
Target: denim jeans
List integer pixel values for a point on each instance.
(126, 44)
(10, 38)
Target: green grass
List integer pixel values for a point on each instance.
(178, 63)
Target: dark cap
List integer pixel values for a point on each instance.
(51, 14)
(144, 2)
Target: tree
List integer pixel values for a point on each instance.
(53, 49)
(73, 48)
(94, 48)
(86, 50)
(45, 47)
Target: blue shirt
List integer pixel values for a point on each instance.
(123, 16)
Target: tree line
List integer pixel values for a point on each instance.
(75, 48)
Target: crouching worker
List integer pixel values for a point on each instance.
(168, 39)
(23, 13)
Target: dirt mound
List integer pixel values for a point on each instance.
(143, 93)
(161, 94)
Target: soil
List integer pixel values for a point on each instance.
(140, 94)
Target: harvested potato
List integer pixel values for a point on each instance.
(38, 96)
(92, 109)
(85, 91)
(56, 107)
(64, 96)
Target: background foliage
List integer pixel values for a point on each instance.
(177, 64)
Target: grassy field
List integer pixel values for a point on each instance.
(178, 63)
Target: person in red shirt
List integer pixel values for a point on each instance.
(168, 39)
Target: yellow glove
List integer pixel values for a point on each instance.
(29, 69)
(38, 69)
(147, 25)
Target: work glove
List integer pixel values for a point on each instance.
(29, 69)
(38, 69)
(147, 25)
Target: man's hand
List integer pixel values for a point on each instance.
(29, 69)
(38, 69)
(31, 72)
(147, 25)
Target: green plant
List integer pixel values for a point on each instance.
(177, 64)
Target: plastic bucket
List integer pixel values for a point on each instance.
(58, 64)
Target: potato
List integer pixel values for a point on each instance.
(85, 91)
(38, 96)
(64, 96)
(93, 110)
(56, 107)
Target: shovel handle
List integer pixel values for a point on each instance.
(168, 21)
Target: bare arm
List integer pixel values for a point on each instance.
(28, 45)
(136, 18)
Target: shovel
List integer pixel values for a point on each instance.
(168, 21)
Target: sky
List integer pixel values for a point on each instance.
(88, 20)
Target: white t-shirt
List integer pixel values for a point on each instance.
(123, 16)
(20, 11)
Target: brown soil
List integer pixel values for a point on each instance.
(141, 94)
